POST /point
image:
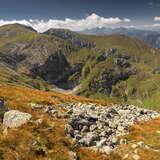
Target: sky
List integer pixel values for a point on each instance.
(81, 14)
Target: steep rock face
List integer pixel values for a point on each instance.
(110, 77)
(39, 55)
(27, 54)
(55, 68)
(75, 75)
(73, 37)
(12, 60)
(110, 68)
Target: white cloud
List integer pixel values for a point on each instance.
(152, 26)
(156, 18)
(156, 25)
(127, 20)
(88, 22)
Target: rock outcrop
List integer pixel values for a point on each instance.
(73, 37)
(15, 118)
(119, 68)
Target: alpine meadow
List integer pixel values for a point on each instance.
(79, 80)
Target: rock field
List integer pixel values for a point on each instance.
(100, 126)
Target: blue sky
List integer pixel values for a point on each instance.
(73, 14)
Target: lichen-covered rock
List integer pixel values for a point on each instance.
(15, 118)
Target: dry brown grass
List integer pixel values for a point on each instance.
(48, 140)
(30, 141)
(18, 96)
(148, 133)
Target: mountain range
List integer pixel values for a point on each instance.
(148, 36)
(71, 96)
(114, 66)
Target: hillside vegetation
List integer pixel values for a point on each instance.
(48, 140)
(101, 70)
(115, 66)
(140, 87)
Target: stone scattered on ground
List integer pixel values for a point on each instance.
(126, 156)
(38, 122)
(73, 155)
(100, 126)
(51, 110)
(136, 157)
(96, 126)
(15, 118)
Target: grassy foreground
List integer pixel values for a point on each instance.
(48, 140)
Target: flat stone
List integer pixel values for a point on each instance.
(126, 156)
(136, 157)
(101, 143)
(141, 144)
(107, 150)
(15, 118)
(134, 146)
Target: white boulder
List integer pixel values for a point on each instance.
(15, 118)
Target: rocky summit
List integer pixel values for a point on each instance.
(100, 126)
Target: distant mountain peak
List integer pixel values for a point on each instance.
(17, 26)
(148, 36)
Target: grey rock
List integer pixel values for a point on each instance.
(48, 109)
(141, 144)
(89, 140)
(123, 141)
(101, 143)
(114, 140)
(73, 155)
(35, 106)
(99, 126)
(85, 129)
(15, 118)
(92, 127)
(107, 150)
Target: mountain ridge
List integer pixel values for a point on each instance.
(101, 65)
(149, 36)
(112, 75)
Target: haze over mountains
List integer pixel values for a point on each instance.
(149, 36)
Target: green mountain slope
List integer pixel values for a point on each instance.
(38, 56)
(104, 77)
(114, 66)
